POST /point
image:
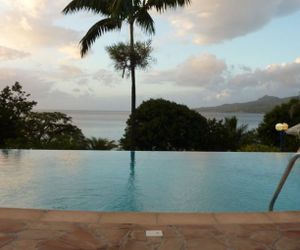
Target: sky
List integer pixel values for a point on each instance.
(209, 53)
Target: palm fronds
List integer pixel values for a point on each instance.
(97, 6)
(97, 30)
(145, 21)
(163, 5)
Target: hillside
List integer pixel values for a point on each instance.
(261, 105)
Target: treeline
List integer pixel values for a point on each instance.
(21, 128)
(161, 125)
(164, 125)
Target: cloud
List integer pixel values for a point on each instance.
(106, 77)
(31, 7)
(71, 50)
(83, 79)
(44, 91)
(198, 71)
(223, 94)
(203, 80)
(32, 81)
(83, 101)
(215, 21)
(11, 54)
(287, 7)
(71, 71)
(28, 32)
(214, 82)
(31, 24)
(285, 75)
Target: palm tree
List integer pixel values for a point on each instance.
(117, 12)
(100, 144)
(235, 132)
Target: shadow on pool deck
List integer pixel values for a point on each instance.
(57, 230)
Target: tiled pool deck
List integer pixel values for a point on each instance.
(57, 230)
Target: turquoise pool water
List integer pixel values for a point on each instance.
(156, 181)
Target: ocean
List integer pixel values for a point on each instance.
(111, 124)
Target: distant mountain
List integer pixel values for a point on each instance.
(261, 105)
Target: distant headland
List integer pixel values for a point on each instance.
(261, 105)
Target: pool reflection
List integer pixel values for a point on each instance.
(131, 189)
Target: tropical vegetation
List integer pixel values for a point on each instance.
(258, 148)
(162, 125)
(225, 135)
(20, 127)
(165, 125)
(285, 113)
(114, 15)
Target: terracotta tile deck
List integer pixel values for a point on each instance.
(63, 230)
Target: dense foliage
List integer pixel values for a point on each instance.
(161, 125)
(20, 127)
(100, 144)
(52, 130)
(14, 108)
(121, 55)
(258, 148)
(286, 113)
(165, 125)
(225, 135)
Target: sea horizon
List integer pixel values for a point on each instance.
(128, 111)
(111, 124)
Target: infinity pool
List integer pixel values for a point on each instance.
(153, 181)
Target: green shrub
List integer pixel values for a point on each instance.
(164, 125)
(258, 148)
(285, 113)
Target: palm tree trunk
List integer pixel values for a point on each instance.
(133, 87)
(132, 63)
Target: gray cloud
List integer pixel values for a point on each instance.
(43, 91)
(11, 54)
(31, 81)
(86, 101)
(196, 71)
(106, 77)
(215, 21)
(275, 76)
(71, 71)
(287, 7)
(215, 82)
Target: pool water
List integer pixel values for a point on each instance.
(153, 181)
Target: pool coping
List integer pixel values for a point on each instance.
(149, 218)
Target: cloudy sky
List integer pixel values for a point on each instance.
(210, 53)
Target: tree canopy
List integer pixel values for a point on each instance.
(116, 13)
(286, 113)
(165, 125)
(14, 107)
(225, 135)
(52, 130)
(21, 128)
